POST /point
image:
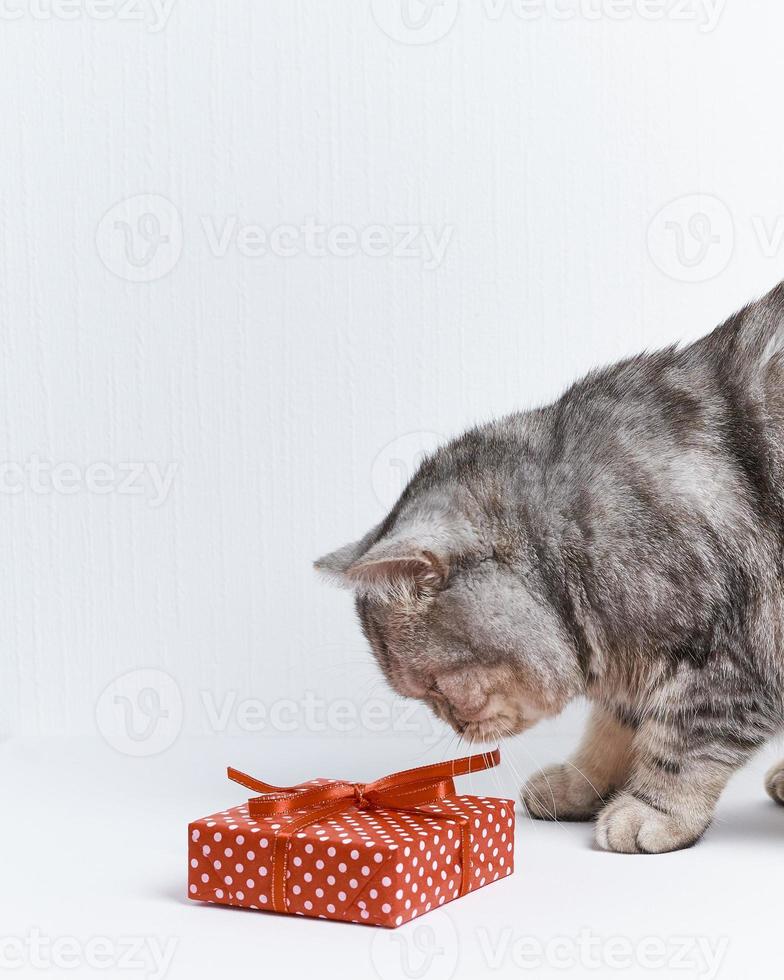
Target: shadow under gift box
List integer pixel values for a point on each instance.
(353, 858)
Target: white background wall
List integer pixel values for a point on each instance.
(539, 143)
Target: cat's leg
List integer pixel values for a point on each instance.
(774, 782)
(578, 789)
(682, 761)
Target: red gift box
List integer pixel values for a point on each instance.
(378, 853)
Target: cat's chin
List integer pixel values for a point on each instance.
(491, 730)
(506, 723)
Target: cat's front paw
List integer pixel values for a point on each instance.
(561, 793)
(774, 783)
(630, 826)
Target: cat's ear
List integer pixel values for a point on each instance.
(392, 562)
(399, 563)
(337, 563)
(413, 559)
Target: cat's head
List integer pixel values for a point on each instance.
(458, 612)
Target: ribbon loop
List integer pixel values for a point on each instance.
(409, 791)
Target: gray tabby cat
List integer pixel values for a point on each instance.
(623, 544)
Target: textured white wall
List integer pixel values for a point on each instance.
(535, 145)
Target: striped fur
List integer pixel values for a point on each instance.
(623, 544)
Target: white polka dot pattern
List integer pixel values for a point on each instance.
(378, 867)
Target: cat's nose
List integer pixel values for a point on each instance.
(465, 694)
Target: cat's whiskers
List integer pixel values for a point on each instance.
(518, 780)
(577, 769)
(438, 746)
(494, 771)
(523, 782)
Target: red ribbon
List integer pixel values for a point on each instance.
(409, 791)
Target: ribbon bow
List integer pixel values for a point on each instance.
(409, 790)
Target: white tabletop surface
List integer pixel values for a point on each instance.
(94, 870)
